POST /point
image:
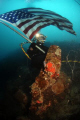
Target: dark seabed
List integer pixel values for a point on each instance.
(16, 77)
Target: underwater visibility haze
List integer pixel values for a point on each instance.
(27, 92)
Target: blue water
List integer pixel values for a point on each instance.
(9, 40)
(12, 57)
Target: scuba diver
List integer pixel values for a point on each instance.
(37, 56)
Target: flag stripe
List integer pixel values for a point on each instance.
(31, 24)
(47, 13)
(27, 21)
(31, 20)
(42, 11)
(37, 28)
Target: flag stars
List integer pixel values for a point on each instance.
(26, 15)
(15, 14)
(5, 17)
(13, 17)
(23, 14)
(16, 19)
(2, 16)
(11, 13)
(19, 12)
(16, 11)
(7, 13)
(33, 15)
(29, 15)
(22, 10)
(9, 19)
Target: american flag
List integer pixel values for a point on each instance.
(31, 20)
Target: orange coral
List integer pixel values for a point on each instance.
(50, 67)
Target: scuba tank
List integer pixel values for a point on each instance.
(37, 56)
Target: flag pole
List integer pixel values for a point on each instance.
(16, 32)
(22, 36)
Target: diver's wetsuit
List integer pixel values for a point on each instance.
(37, 57)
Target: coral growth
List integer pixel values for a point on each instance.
(49, 83)
(58, 88)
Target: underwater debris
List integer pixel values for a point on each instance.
(72, 67)
(58, 88)
(49, 83)
(47, 102)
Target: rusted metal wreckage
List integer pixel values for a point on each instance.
(50, 84)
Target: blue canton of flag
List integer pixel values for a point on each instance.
(31, 20)
(15, 15)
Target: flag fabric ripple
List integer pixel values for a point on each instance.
(31, 20)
